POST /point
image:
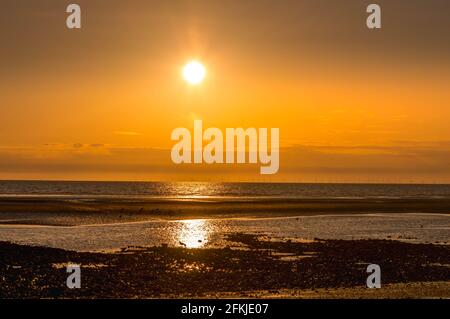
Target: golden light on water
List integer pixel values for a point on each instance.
(194, 72)
(193, 233)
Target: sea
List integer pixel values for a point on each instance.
(221, 190)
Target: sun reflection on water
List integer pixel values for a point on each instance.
(193, 233)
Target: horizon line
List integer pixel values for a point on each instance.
(220, 182)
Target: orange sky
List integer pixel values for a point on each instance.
(352, 105)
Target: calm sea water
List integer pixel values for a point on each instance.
(221, 190)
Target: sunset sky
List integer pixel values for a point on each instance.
(100, 103)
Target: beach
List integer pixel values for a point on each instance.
(303, 250)
(140, 246)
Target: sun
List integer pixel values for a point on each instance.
(194, 72)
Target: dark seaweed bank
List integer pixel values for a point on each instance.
(253, 263)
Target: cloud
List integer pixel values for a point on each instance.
(405, 162)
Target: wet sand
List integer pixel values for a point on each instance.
(68, 211)
(212, 232)
(105, 223)
(258, 267)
